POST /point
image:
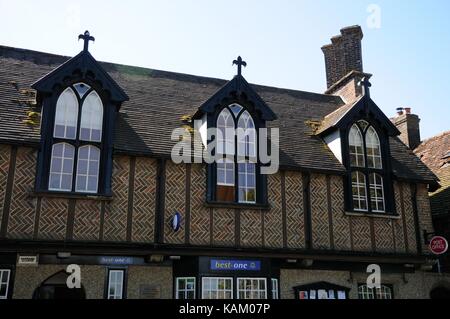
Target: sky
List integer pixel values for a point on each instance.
(406, 44)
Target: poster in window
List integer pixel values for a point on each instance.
(331, 294)
(312, 294)
(341, 295)
(322, 294)
(303, 295)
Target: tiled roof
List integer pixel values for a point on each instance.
(158, 100)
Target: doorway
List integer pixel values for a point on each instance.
(55, 287)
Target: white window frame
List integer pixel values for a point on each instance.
(66, 115)
(8, 278)
(86, 121)
(185, 291)
(87, 175)
(366, 293)
(239, 290)
(224, 290)
(375, 199)
(275, 289)
(61, 173)
(372, 146)
(226, 162)
(121, 295)
(245, 186)
(351, 137)
(360, 198)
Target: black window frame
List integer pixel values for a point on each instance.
(261, 180)
(385, 172)
(49, 105)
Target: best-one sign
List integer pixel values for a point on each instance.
(438, 245)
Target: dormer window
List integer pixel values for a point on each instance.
(236, 171)
(366, 166)
(77, 139)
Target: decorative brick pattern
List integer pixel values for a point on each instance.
(424, 209)
(398, 224)
(87, 220)
(273, 219)
(384, 240)
(409, 218)
(295, 219)
(223, 227)
(5, 153)
(22, 210)
(116, 211)
(319, 212)
(251, 228)
(175, 201)
(144, 200)
(361, 234)
(200, 215)
(53, 219)
(341, 223)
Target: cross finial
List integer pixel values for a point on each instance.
(86, 37)
(239, 62)
(366, 86)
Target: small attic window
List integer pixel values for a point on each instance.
(236, 109)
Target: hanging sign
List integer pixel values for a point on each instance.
(438, 245)
(176, 222)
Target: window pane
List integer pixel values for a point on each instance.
(356, 147)
(91, 118)
(359, 191)
(88, 169)
(217, 288)
(377, 193)
(61, 167)
(81, 89)
(247, 182)
(373, 149)
(246, 136)
(252, 288)
(225, 133)
(66, 115)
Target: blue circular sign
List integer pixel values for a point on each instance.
(176, 222)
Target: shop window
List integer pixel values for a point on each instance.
(185, 288)
(252, 288)
(217, 288)
(384, 292)
(321, 290)
(4, 283)
(116, 284)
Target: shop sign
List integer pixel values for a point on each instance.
(235, 265)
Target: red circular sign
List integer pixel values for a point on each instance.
(438, 245)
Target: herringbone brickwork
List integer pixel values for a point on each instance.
(144, 200)
(116, 211)
(273, 222)
(409, 218)
(384, 239)
(295, 218)
(399, 233)
(341, 222)
(53, 219)
(424, 210)
(251, 228)
(23, 207)
(319, 212)
(361, 234)
(175, 201)
(5, 153)
(223, 227)
(200, 215)
(87, 220)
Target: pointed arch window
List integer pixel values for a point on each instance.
(77, 141)
(366, 169)
(237, 172)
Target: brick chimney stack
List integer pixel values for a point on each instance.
(343, 64)
(409, 126)
(344, 54)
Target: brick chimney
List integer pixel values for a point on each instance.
(409, 126)
(343, 63)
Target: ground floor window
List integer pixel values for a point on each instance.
(252, 288)
(384, 292)
(4, 283)
(115, 284)
(217, 288)
(275, 289)
(185, 288)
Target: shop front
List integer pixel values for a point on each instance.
(225, 278)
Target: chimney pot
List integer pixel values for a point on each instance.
(408, 110)
(409, 126)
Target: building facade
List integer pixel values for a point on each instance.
(87, 178)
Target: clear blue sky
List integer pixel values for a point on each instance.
(280, 40)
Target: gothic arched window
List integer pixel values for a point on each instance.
(77, 134)
(237, 142)
(366, 167)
